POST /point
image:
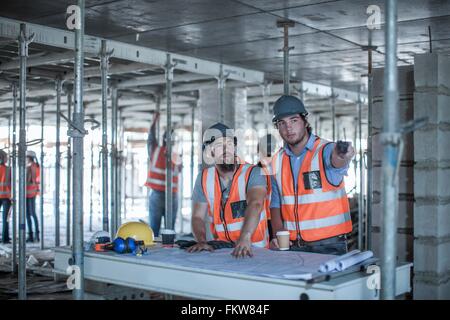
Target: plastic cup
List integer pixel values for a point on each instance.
(168, 237)
(283, 240)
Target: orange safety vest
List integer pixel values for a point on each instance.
(226, 222)
(316, 209)
(156, 178)
(33, 182)
(5, 182)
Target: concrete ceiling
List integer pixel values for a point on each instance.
(327, 37)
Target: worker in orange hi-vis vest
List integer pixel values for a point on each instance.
(156, 178)
(33, 189)
(308, 192)
(229, 196)
(5, 194)
(266, 148)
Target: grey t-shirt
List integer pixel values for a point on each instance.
(256, 179)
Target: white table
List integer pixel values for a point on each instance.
(136, 272)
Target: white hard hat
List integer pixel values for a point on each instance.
(31, 153)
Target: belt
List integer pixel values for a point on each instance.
(332, 240)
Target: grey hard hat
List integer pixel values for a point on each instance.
(216, 131)
(288, 105)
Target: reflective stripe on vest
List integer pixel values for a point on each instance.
(5, 181)
(316, 197)
(263, 243)
(322, 211)
(237, 226)
(33, 188)
(319, 223)
(229, 230)
(156, 178)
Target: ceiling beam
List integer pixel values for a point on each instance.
(113, 69)
(160, 79)
(50, 58)
(10, 28)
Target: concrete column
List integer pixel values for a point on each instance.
(431, 178)
(405, 237)
(210, 106)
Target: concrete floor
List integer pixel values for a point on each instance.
(40, 280)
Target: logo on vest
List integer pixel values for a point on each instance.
(312, 180)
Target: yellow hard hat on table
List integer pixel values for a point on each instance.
(138, 230)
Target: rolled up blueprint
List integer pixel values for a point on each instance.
(355, 259)
(330, 265)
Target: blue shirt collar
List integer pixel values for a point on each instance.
(309, 146)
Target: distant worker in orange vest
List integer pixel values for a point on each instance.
(5, 194)
(156, 179)
(33, 190)
(308, 192)
(229, 196)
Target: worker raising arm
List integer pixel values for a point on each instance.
(230, 196)
(156, 179)
(308, 191)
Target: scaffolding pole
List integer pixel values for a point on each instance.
(91, 188)
(390, 140)
(56, 207)
(113, 159)
(169, 195)
(121, 174)
(266, 110)
(126, 178)
(221, 79)
(104, 60)
(77, 134)
(333, 114)
(192, 148)
(158, 110)
(361, 180)
(42, 181)
(132, 181)
(69, 171)
(286, 72)
(369, 186)
(319, 128)
(14, 180)
(23, 52)
(9, 165)
(181, 183)
(316, 121)
(355, 161)
(10, 151)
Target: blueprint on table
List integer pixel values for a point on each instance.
(268, 263)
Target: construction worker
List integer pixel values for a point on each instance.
(33, 189)
(5, 194)
(308, 191)
(266, 148)
(156, 179)
(230, 195)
